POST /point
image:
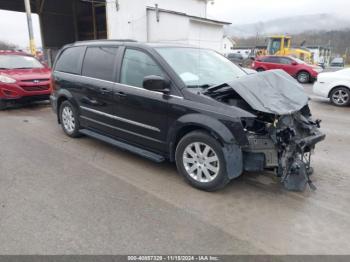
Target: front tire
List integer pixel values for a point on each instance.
(303, 77)
(260, 69)
(200, 159)
(69, 119)
(340, 96)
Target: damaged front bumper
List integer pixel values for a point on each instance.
(282, 135)
(285, 148)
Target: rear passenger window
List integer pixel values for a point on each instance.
(137, 65)
(99, 62)
(70, 60)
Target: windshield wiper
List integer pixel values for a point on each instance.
(199, 86)
(4, 68)
(23, 68)
(215, 88)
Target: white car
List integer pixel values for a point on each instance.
(249, 71)
(335, 86)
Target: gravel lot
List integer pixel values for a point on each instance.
(81, 196)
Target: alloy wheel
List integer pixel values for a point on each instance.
(340, 97)
(303, 77)
(68, 119)
(201, 162)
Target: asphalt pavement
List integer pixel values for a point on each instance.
(81, 196)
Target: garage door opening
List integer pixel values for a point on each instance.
(91, 16)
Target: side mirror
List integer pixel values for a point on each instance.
(294, 63)
(156, 83)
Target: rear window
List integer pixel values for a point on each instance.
(99, 62)
(70, 60)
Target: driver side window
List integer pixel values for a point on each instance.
(136, 65)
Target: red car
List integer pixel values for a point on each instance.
(22, 78)
(297, 68)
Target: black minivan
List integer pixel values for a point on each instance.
(188, 105)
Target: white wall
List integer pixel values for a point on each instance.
(190, 7)
(181, 29)
(227, 46)
(130, 21)
(170, 28)
(207, 35)
(133, 21)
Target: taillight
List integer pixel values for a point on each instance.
(253, 64)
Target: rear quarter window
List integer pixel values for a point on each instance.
(70, 60)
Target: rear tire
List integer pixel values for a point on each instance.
(260, 69)
(303, 77)
(200, 159)
(69, 119)
(340, 96)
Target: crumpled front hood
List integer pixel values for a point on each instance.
(273, 92)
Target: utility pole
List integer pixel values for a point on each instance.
(30, 27)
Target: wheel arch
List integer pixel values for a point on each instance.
(62, 96)
(337, 86)
(193, 122)
(230, 146)
(303, 70)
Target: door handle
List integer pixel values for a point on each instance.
(90, 101)
(121, 94)
(105, 91)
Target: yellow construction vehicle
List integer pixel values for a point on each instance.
(281, 45)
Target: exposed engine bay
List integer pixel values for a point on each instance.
(283, 134)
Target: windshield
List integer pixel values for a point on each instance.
(200, 67)
(18, 61)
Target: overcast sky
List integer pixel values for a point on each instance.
(251, 11)
(13, 26)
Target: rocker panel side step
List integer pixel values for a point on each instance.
(133, 149)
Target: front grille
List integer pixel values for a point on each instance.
(36, 88)
(35, 80)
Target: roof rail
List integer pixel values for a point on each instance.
(122, 40)
(109, 40)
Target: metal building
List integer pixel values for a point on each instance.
(67, 21)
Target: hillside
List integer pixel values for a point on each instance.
(290, 25)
